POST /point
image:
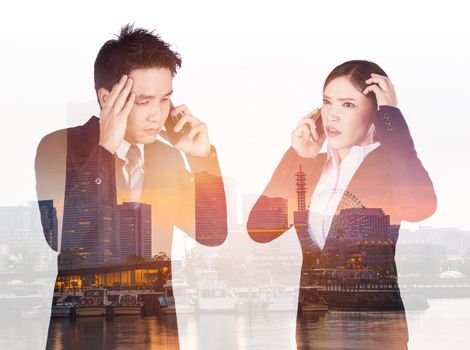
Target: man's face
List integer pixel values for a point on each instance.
(153, 88)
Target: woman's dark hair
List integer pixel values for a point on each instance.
(132, 49)
(358, 71)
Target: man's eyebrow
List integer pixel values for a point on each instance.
(341, 99)
(144, 97)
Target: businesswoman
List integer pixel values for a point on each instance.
(357, 192)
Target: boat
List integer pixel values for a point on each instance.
(184, 300)
(65, 305)
(127, 304)
(94, 302)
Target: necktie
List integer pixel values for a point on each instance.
(134, 170)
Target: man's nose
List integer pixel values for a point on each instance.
(156, 114)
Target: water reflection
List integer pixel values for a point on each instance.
(333, 330)
(125, 332)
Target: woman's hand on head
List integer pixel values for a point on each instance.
(306, 139)
(383, 89)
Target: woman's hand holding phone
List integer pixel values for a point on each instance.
(308, 136)
(189, 134)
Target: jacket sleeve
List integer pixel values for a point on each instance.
(413, 191)
(202, 212)
(50, 184)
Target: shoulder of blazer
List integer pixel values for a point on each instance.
(68, 141)
(81, 140)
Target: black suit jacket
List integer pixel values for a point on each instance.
(390, 178)
(85, 182)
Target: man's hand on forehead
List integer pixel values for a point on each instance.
(114, 114)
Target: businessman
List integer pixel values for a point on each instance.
(91, 172)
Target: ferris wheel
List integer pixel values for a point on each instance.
(350, 221)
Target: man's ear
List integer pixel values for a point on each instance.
(103, 95)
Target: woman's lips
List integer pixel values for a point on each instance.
(332, 132)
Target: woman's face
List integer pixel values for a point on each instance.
(346, 114)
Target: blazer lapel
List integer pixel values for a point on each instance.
(314, 174)
(359, 185)
(122, 189)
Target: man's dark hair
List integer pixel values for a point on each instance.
(132, 49)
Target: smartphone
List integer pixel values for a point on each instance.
(319, 123)
(175, 137)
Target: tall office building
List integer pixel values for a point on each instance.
(211, 217)
(271, 215)
(49, 222)
(135, 230)
(89, 232)
(394, 231)
(89, 224)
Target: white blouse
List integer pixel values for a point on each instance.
(330, 189)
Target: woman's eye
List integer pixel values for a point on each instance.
(325, 101)
(348, 104)
(143, 102)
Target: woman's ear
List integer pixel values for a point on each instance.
(103, 95)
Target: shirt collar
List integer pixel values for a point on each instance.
(123, 148)
(356, 152)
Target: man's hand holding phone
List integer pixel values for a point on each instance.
(114, 114)
(308, 137)
(189, 134)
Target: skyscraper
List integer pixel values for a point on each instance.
(135, 230)
(271, 215)
(89, 225)
(49, 222)
(211, 221)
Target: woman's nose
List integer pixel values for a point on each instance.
(332, 116)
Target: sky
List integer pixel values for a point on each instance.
(250, 71)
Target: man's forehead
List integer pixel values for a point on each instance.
(151, 81)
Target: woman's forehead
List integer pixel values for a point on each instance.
(342, 88)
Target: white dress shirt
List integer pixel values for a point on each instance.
(121, 153)
(330, 189)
